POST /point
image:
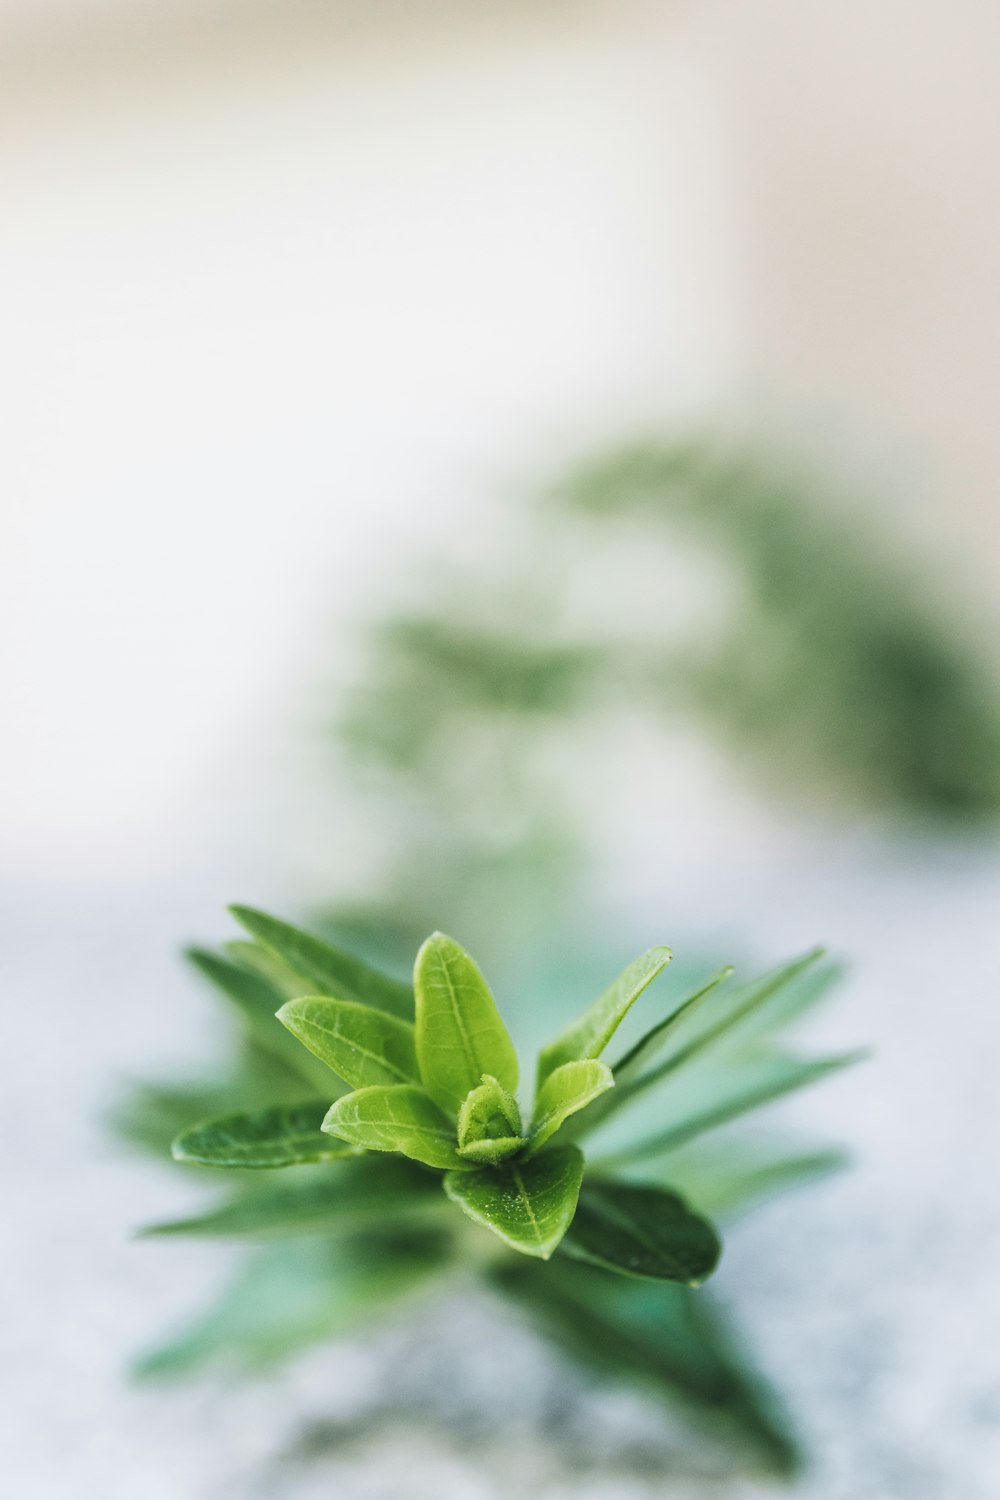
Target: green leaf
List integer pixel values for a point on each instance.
(277, 1137)
(254, 959)
(724, 1179)
(529, 1204)
(760, 1081)
(329, 969)
(363, 1046)
(396, 1118)
(642, 1231)
(588, 1036)
(371, 1190)
(565, 1092)
(460, 1035)
(489, 1123)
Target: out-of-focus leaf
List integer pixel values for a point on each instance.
(489, 1123)
(397, 1118)
(375, 1191)
(331, 970)
(460, 1035)
(529, 1204)
(279, 1137)
(254, 959)
(724, 1180)
(644, 1231)
(659, 1334)
(588, 1036)
(362, 1045)
(757, 1083)
(568, 1089)
(298, 1293)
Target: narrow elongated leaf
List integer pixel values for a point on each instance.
(460, 1035)
(771, 1077)
(370, 1191)
(363, 1046)
(489, 1123)
(331, 970)
(642, 1231)
(251, 957)
(396, 1118)
(565, 1092)
(529, 1204)
(724, 1179)
(588, 1036)
(277, 1137)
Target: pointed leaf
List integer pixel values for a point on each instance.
(769, 1078)
(331, 970)
(277, 1137)
(460, 1035)
(489, 1123)
(642, 1231)
(724, 1179)
(588, 1036)
(565, 1092)
(363, 1046)
(366, 1191)
(398, 1118)
(529, 1204)
(257, 960)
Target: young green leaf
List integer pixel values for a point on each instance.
(363, 1046)
(279, 1137)
(396, 1118)
(529, 1204)
(331, 970)
(642, 1231)
(588, 1036)
(489, 1123)
(460, 1035)
(570, 1088)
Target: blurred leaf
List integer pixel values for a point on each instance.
(397, 1118)
(460, 1035)
(568, 1089)
(374, 1191)
(364, 1046)
(254, 959)
(529, 1204)
(489, 1123)
(279, 1137)
(642, 1231)
(331, 970)
(655, 1333)
(724, 1180)
(588, 1036)
(757, 1082)
(298, 1293)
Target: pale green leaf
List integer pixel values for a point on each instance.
(255, 959)
(460, 1035)
(489, 1123)
(329, 969)
(642, 1231)
(278, 1137)
(362, 1045)
(529, 1204)
(400, 1118)
(588, 1036)
(567, 1090)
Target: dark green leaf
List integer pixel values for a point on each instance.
(398, 1118)
(588, 1036)
(460, 1035)
(354, 1193)
(362, 1045)
(530, 1204)
(567, 1090)
(330, 970)
(278, 1137)
(642, 1231)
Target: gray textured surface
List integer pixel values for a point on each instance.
(872, 1302)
